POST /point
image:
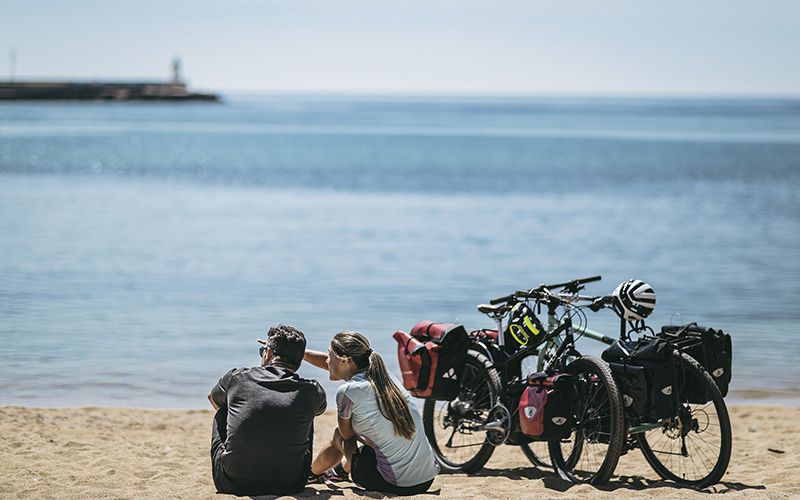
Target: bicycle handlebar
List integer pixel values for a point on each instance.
(575, 284)
(601, 302)
(503, 300)
(571, 286)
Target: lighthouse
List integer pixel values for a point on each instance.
(176, 71)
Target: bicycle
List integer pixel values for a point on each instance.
(464, 432)
(691, 447)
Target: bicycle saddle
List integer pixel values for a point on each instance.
(490, 309)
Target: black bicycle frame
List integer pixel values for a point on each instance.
(501, 359)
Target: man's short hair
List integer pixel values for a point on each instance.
(288, 343)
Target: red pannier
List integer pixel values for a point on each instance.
(546, 408)
(432, 359)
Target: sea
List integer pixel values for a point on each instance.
(145, 246)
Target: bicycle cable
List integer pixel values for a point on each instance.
(576, 312)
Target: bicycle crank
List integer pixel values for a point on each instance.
(498, 425)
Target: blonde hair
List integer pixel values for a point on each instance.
(391, 401)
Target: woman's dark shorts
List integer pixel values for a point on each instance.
(364, 471)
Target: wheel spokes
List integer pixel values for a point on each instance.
(703, 443)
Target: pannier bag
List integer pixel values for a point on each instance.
(633, 387)
(547, 406)
(711, 348)
(432, 359)
(648, 380)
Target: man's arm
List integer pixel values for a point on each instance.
(317, 358)
(219, 393)
(323, 400)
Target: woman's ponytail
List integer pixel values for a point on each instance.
(391, 401)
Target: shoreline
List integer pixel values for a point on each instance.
(95, 452)
(787, 398)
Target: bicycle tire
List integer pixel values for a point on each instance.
(685, 470)
(444, 420)
(599, 434)
(533, 457)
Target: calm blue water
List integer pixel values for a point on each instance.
(144, 247)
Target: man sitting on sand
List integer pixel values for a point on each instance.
(263, 431)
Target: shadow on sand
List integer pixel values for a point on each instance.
(550, 481)
(338, 490)
(619, 482)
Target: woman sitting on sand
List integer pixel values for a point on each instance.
(395, 456)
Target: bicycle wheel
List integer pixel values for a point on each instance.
(534, 452)
(451, 426)
(694, 446)
(591, 453)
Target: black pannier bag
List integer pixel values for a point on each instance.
(647, 376)
(432, 359)
(547, 406)
(632, 384)
(711, 348)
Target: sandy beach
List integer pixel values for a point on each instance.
(133, 453)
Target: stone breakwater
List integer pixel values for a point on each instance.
(101, 91)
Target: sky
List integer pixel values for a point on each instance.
(640, 47)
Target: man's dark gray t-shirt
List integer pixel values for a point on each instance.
(270, 415)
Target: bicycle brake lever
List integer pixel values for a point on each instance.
(598, 304)
(601, 302)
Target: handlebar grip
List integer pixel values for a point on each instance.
(528, 294)
(501, 300)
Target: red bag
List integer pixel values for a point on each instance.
(432, 359)
(531, 410)
(412, 355)
(547, 406)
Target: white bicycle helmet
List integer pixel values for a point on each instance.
(635, 300)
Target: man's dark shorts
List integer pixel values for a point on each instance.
(235, 486)
(364, 471)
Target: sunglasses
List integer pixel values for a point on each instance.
(262, 350)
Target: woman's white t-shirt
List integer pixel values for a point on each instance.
(402, 462)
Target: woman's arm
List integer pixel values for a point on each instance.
(349, 445)
(317, 358)
(346, 428)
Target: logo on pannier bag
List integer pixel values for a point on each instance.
(627, 400)
(559, 420)
(530, 411)
(667, 390)
(451, 374)
(718, 372)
